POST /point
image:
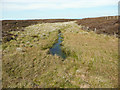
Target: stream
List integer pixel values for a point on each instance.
(56, 49)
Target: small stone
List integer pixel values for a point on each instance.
(19, 49)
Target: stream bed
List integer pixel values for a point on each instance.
(56, 48)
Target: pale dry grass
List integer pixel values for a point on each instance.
(98, 53)
(91, 62)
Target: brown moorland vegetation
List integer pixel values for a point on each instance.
(103, 25)
(107, 25)
(19, 25)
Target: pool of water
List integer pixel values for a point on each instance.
(56, 49)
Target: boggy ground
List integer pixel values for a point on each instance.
(92, 59)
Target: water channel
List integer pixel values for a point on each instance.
(56, 49)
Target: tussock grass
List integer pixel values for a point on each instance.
(97, 53)
(91, 58)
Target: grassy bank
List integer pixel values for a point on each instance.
(96, 57)
(91, 62)
(25, 57)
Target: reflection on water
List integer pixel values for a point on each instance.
(56, 49)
